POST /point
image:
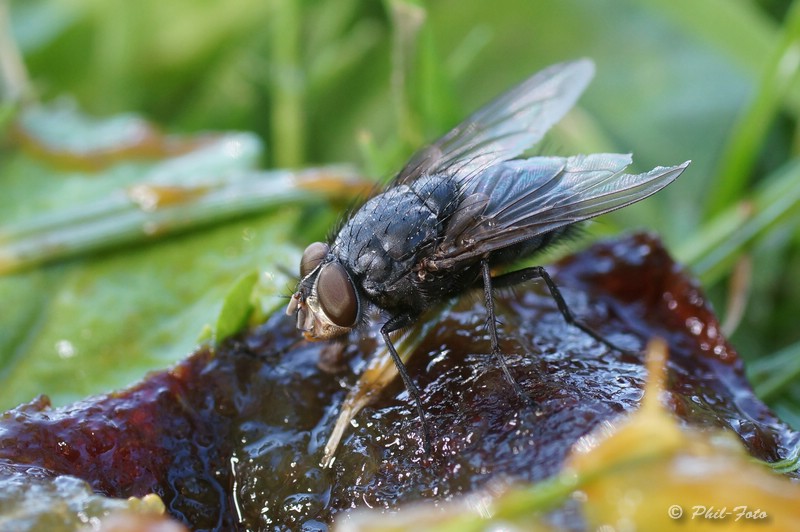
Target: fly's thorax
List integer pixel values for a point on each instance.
(327, 303)
(439, 192)
(386, 237)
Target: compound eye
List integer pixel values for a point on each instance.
(312, 256)
(337, 295)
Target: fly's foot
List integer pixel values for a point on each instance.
(524, 397)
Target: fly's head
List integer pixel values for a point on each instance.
(326, 303)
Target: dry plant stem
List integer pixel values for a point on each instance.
(738, 294)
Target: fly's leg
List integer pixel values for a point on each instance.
(492, 324)
(394, 324)
(538, 272)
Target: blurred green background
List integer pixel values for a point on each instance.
(321, 82)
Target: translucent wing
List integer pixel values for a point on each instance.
(506, 127)
(519, 200)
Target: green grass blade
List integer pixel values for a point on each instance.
(713, 248)
(739, 156)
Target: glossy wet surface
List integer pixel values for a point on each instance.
(236, 439)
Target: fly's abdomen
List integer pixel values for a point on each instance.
(526, 248)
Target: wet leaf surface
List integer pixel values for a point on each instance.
(236, 436)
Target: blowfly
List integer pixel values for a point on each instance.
(460, 209)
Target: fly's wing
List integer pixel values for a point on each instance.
(504, 128)
(518, 200)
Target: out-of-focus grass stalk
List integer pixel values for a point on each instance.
(14, 85)
(116, 23)
(288, 85)
(463, 55)
(334, 45)
(134, 215)
(407, 18)
(771, 375)
(739, 157)
(712, 249)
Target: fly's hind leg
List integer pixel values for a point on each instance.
(538, 272)
(488, 292)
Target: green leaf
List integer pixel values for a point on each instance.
(236, 307)
(129, 302)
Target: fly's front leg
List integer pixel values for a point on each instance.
(538, 272)
(395, 323)
(488, 293)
